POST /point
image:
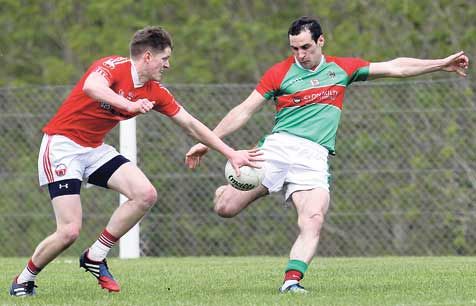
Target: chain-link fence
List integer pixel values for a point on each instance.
(402, 181)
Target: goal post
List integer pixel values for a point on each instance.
(129, 245)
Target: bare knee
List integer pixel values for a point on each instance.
(68, 233)
(145, 197)
(223, 203)
(311, 224)
(224, 211)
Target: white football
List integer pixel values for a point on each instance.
(249, 178)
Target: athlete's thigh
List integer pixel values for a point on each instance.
(311, 202)
(128, 179)
(236, 200)
(67, 209)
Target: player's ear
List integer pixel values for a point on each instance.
(147, 56)
(321, 41)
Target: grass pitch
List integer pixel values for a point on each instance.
(253, 281)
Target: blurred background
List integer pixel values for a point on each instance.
(404, 174)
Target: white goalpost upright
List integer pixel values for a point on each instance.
(129, 246)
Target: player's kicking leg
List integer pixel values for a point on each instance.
(230, 201)
(129, 180)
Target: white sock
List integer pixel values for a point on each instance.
(26, 276)
(98, 251)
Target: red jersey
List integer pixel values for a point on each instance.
(87, 121)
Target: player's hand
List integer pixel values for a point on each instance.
(250, 158)
(457, 62)
(193, 156)
(140, 106)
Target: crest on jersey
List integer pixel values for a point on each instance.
(60, 170)
(296, 100)
(110, 63)
(331, 74)
(315, 82)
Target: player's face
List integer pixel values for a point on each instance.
(156, 63)
(305, 50)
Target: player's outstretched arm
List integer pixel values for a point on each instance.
(234, 120)
(202, 133)
(406, 67)
(238, 116)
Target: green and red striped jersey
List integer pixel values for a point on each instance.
(309, 102)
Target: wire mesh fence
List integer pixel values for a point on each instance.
(402, 181)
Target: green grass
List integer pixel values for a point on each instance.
(254, 281)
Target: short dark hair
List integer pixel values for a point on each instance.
(150, 37)
(306, 23)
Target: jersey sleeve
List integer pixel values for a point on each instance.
(270, 84)
(165, 102)
(356, 68)
(109, 68)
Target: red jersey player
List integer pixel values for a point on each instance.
(114, 88)
(308, 90)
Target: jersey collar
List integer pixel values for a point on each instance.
(135, 76)
(315, 69)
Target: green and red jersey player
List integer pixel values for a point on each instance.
(308, 89)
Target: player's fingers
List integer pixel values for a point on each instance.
(191, 162)
(237, 169)
(464, 62)
(256, 154)
(197, 160)
(461, 72)
(455, 56)
(257, 165)
(254, 150)
(189, 157)
(257, 159)
(149, 105)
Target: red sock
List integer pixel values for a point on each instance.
(32, 268)
(107, 239)
(293, 275)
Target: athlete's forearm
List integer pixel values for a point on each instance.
(232, 122)
(240, 114)
(97, 87)
(203, 134)
(407, 67)
(404, 67)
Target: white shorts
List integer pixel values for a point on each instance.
(60, 158)
(294, 163)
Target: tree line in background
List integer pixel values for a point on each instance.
(53, 42)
